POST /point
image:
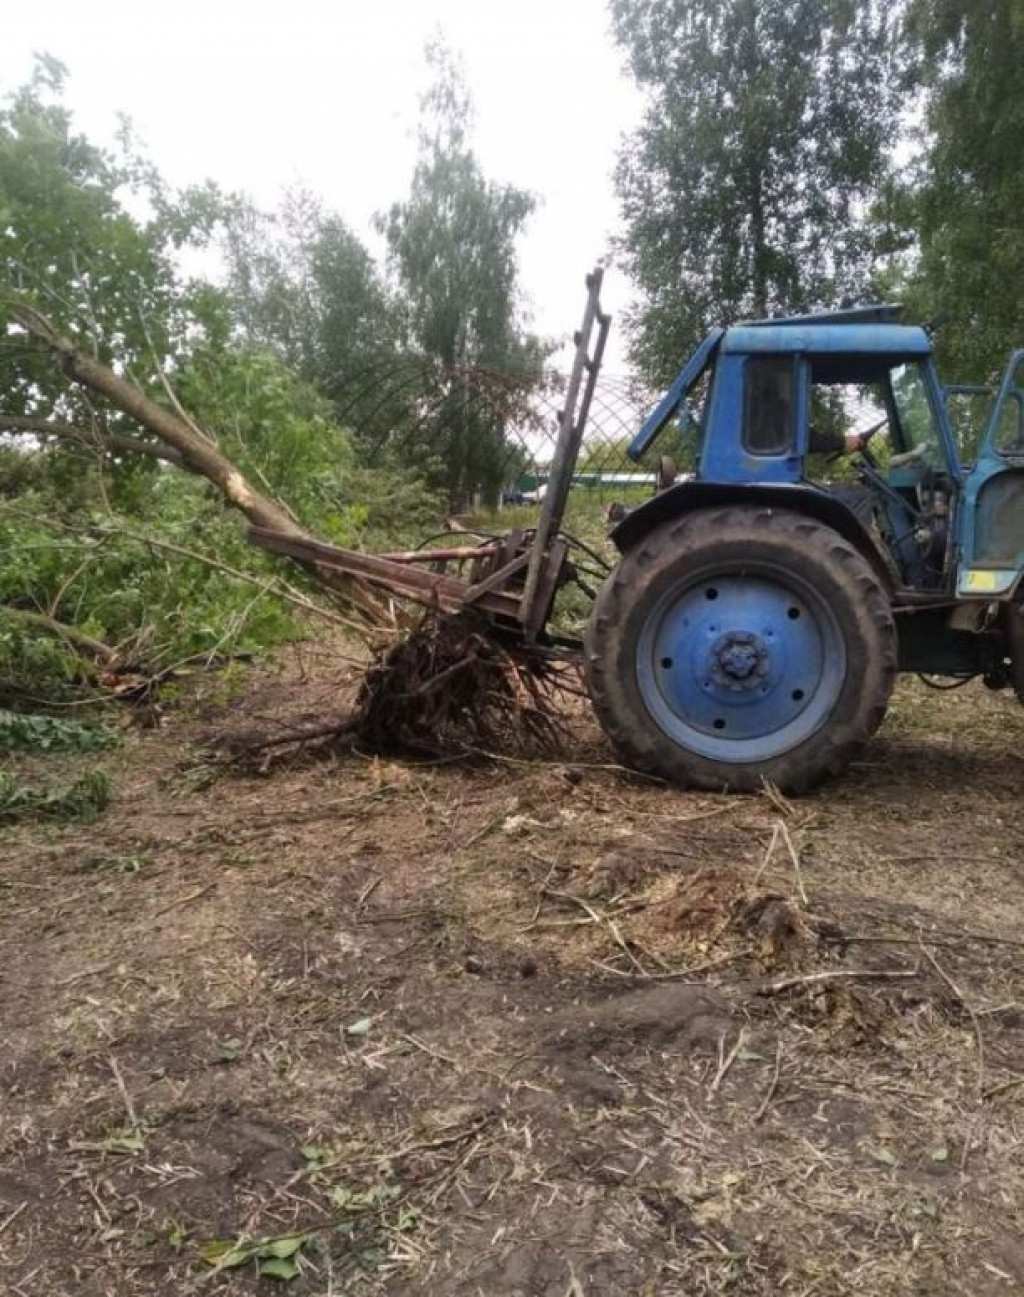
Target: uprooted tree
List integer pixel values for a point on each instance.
(118, 370)
(166, 435)
(179, 441)
(488, 691)
(106, 548)
(142, 410)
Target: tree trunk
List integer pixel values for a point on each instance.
(759, 248)
(197, 452)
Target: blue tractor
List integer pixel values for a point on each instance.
(757, 617)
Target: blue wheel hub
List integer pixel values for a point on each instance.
(740, 660)
(741, 666)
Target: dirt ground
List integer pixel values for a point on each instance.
(523, 1028)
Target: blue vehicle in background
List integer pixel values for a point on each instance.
(754, 625)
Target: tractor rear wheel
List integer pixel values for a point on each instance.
(740, 645)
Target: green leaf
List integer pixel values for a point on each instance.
(225, 1254)
(359, 1028)
(372, 1258)
(316, 1154)
(940, 1153)
(884, 1155)
(124, 1142)
(278, 1268)
(285, 1246)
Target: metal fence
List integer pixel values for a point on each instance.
(490, 431)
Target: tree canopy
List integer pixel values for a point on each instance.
(452, 250)
(960, 211)
(302, 284)
(745, 189)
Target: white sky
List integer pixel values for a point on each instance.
(271, 93)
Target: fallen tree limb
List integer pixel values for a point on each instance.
(279, 588)
(195, 450)
(780, 984)
(113, 443)
(78, 640)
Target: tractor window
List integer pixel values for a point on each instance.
(768, 421)
(915, 414)
(847, 398)
(968, 407)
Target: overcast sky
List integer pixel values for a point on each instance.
(272, 93)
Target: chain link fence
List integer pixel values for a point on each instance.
(487, 435)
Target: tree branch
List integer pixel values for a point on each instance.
(196, 452)
(114, 443)
(278, 588)
(78, 640)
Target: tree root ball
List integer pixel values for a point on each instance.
(452, 687)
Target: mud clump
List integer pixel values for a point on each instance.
(623, 871)
(694, 1015)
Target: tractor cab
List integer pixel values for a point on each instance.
(847, 408)
(828, 535)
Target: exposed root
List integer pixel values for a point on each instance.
(450, 687)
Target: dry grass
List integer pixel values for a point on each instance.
(521, 1028)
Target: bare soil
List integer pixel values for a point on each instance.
(519, 1028)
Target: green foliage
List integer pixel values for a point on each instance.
(744, 189)
(452, 249)
(274, 1256)
(302, 285)
(103, 543)
(281, 431)
(108, 581)
(93, 239)
(69, 239)
(24, 732)
(81, 800)
(959, 212)
(35, 666)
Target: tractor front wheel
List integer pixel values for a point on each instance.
(741, 645)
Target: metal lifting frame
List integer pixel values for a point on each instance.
(573, 422)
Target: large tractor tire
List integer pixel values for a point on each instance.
(740, 645)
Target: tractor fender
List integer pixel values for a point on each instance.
(812, 501)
